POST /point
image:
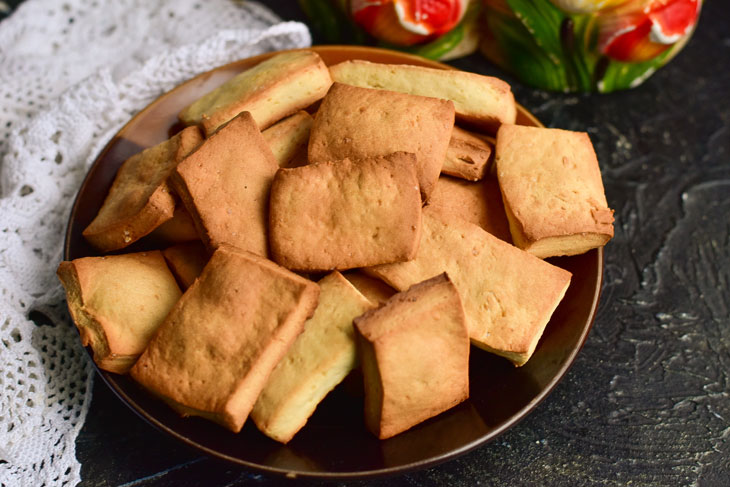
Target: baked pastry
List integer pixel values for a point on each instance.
(320, 358)
(117, 303)
(357, 122)
(186, 261)
(508, 294)
(139, 199)
(345, 214)
(225, 186)
(215, 350)
(288, 139)
(415, 356)
(552, 190)
(478, 202)
(270, 91)
(478, 99)
(467, 156)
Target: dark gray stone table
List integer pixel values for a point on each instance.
(648, 400)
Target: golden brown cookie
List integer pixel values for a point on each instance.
(215, 350)
(415, 356)
(139, 200)
(552, 190)
(270, 91)
(178, 229)
(225, 186)
(508, 294)
(357, 122)
(320, 358)
(118, 302)
(345, 214)
(478, 99)
(372, 288)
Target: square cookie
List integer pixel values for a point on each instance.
(415, 356)
(552, 190)
(225, 186)
(320, 358)
(345, 214)
(270, 91)
(215, 350)
(139, 200)
(355, 122)
(118, 302)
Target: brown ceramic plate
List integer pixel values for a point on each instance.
(335, 443)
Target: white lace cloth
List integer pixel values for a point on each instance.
(71, 74)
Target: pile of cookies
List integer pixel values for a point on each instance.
(372, 234)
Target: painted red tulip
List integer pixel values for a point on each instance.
(407, 22)
(642, 29)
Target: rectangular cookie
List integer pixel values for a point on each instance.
(552, 190)
(225, 186)
(117, 303)
(345, 214)
(478, 99)
(357, 122)
(215, 350)
(320, 358)
(288, 138)
(414, 351)
(139, 199)
(478, 202)
(508, 294)
(270, 91)
(467, 156)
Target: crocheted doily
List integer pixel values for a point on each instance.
(73, 73)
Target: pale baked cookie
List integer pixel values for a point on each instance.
(508, 294)
(288, 138)
(139, 199)
(186, 261)
(478, 202)
(118, 302)
(553, 191)
(467, 156)
(478, 99)
(215, 350)
(357, 122)
(345, 214)
(225, 186)
(270, 91)
(415, 356)
(320, 358)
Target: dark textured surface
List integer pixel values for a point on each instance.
(648, 399)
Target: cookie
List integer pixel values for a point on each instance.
(415, 356)
(118, 302)
(139, 199)
(355, 122)
(345, 214)
(552, 190)
(271, 90)
(217, 347)
(225, 186)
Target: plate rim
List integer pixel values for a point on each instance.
(498, 430)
